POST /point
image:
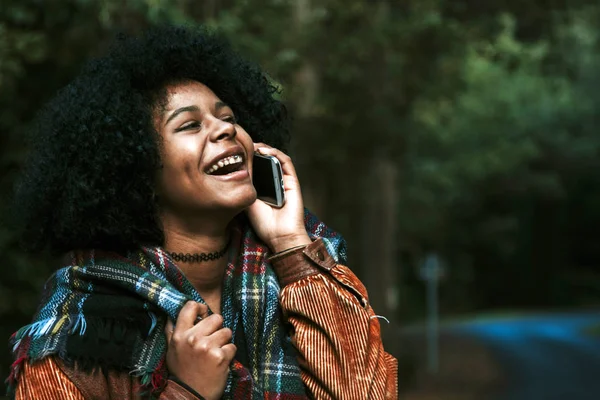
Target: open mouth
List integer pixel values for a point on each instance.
(227, 165)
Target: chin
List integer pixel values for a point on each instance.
(244, 199)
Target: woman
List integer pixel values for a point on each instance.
(177, 282)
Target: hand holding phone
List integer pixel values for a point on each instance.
(267, 178)
(277, 220)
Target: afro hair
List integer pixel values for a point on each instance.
(89, 179)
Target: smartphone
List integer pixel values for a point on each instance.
(267, 178)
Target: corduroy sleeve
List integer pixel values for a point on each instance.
(51, 379)
(334, 329)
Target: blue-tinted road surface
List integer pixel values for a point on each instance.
(545, 357)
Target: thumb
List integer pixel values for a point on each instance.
(202, 310)
(260, 213)
(256, 209)
(169, 327)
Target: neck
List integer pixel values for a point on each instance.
(206, 276)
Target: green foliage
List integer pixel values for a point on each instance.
(484, 159)
(490, 127)
(488, 112)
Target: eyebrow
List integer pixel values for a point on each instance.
(181, 110)
(218, 106)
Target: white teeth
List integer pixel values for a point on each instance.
(226, 161)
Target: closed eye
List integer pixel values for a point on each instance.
(231, 119)
(189, 126)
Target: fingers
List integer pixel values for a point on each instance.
(222, 356)
(188, 315)
(207, 326)
(221, 337)
(199, 354)
(259, 145)
(286, 162)
(189, 329)
(215, 341)
(169, 329)
(229, 351)
(203, 312)
(210, 344)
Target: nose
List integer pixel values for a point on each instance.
(222, 130)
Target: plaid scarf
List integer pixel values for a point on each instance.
(109, 310)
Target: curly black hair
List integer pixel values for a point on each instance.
(89, 181)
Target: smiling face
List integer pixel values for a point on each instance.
(207, 156)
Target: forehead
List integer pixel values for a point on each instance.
(188, 93)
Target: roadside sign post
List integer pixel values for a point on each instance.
(431, 272)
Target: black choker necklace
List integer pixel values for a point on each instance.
(198, 257)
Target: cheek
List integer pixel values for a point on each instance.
(249, 146)
(178, 164)
(165, 179)
(178, 171)
(182, 154)
(246, 141)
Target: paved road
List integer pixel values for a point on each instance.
(545, 357)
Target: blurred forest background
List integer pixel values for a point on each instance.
(464, 128)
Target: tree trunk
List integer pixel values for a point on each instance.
(378, 250)
(304, 95)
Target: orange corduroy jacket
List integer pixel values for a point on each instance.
(335, 331)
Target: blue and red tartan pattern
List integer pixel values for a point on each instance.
(151, 285)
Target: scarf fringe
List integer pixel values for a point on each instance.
(13, 377)
(153, 382)
(80, 323)
(100, 330)
(154, 322)
(126, 300)
(48, 327)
